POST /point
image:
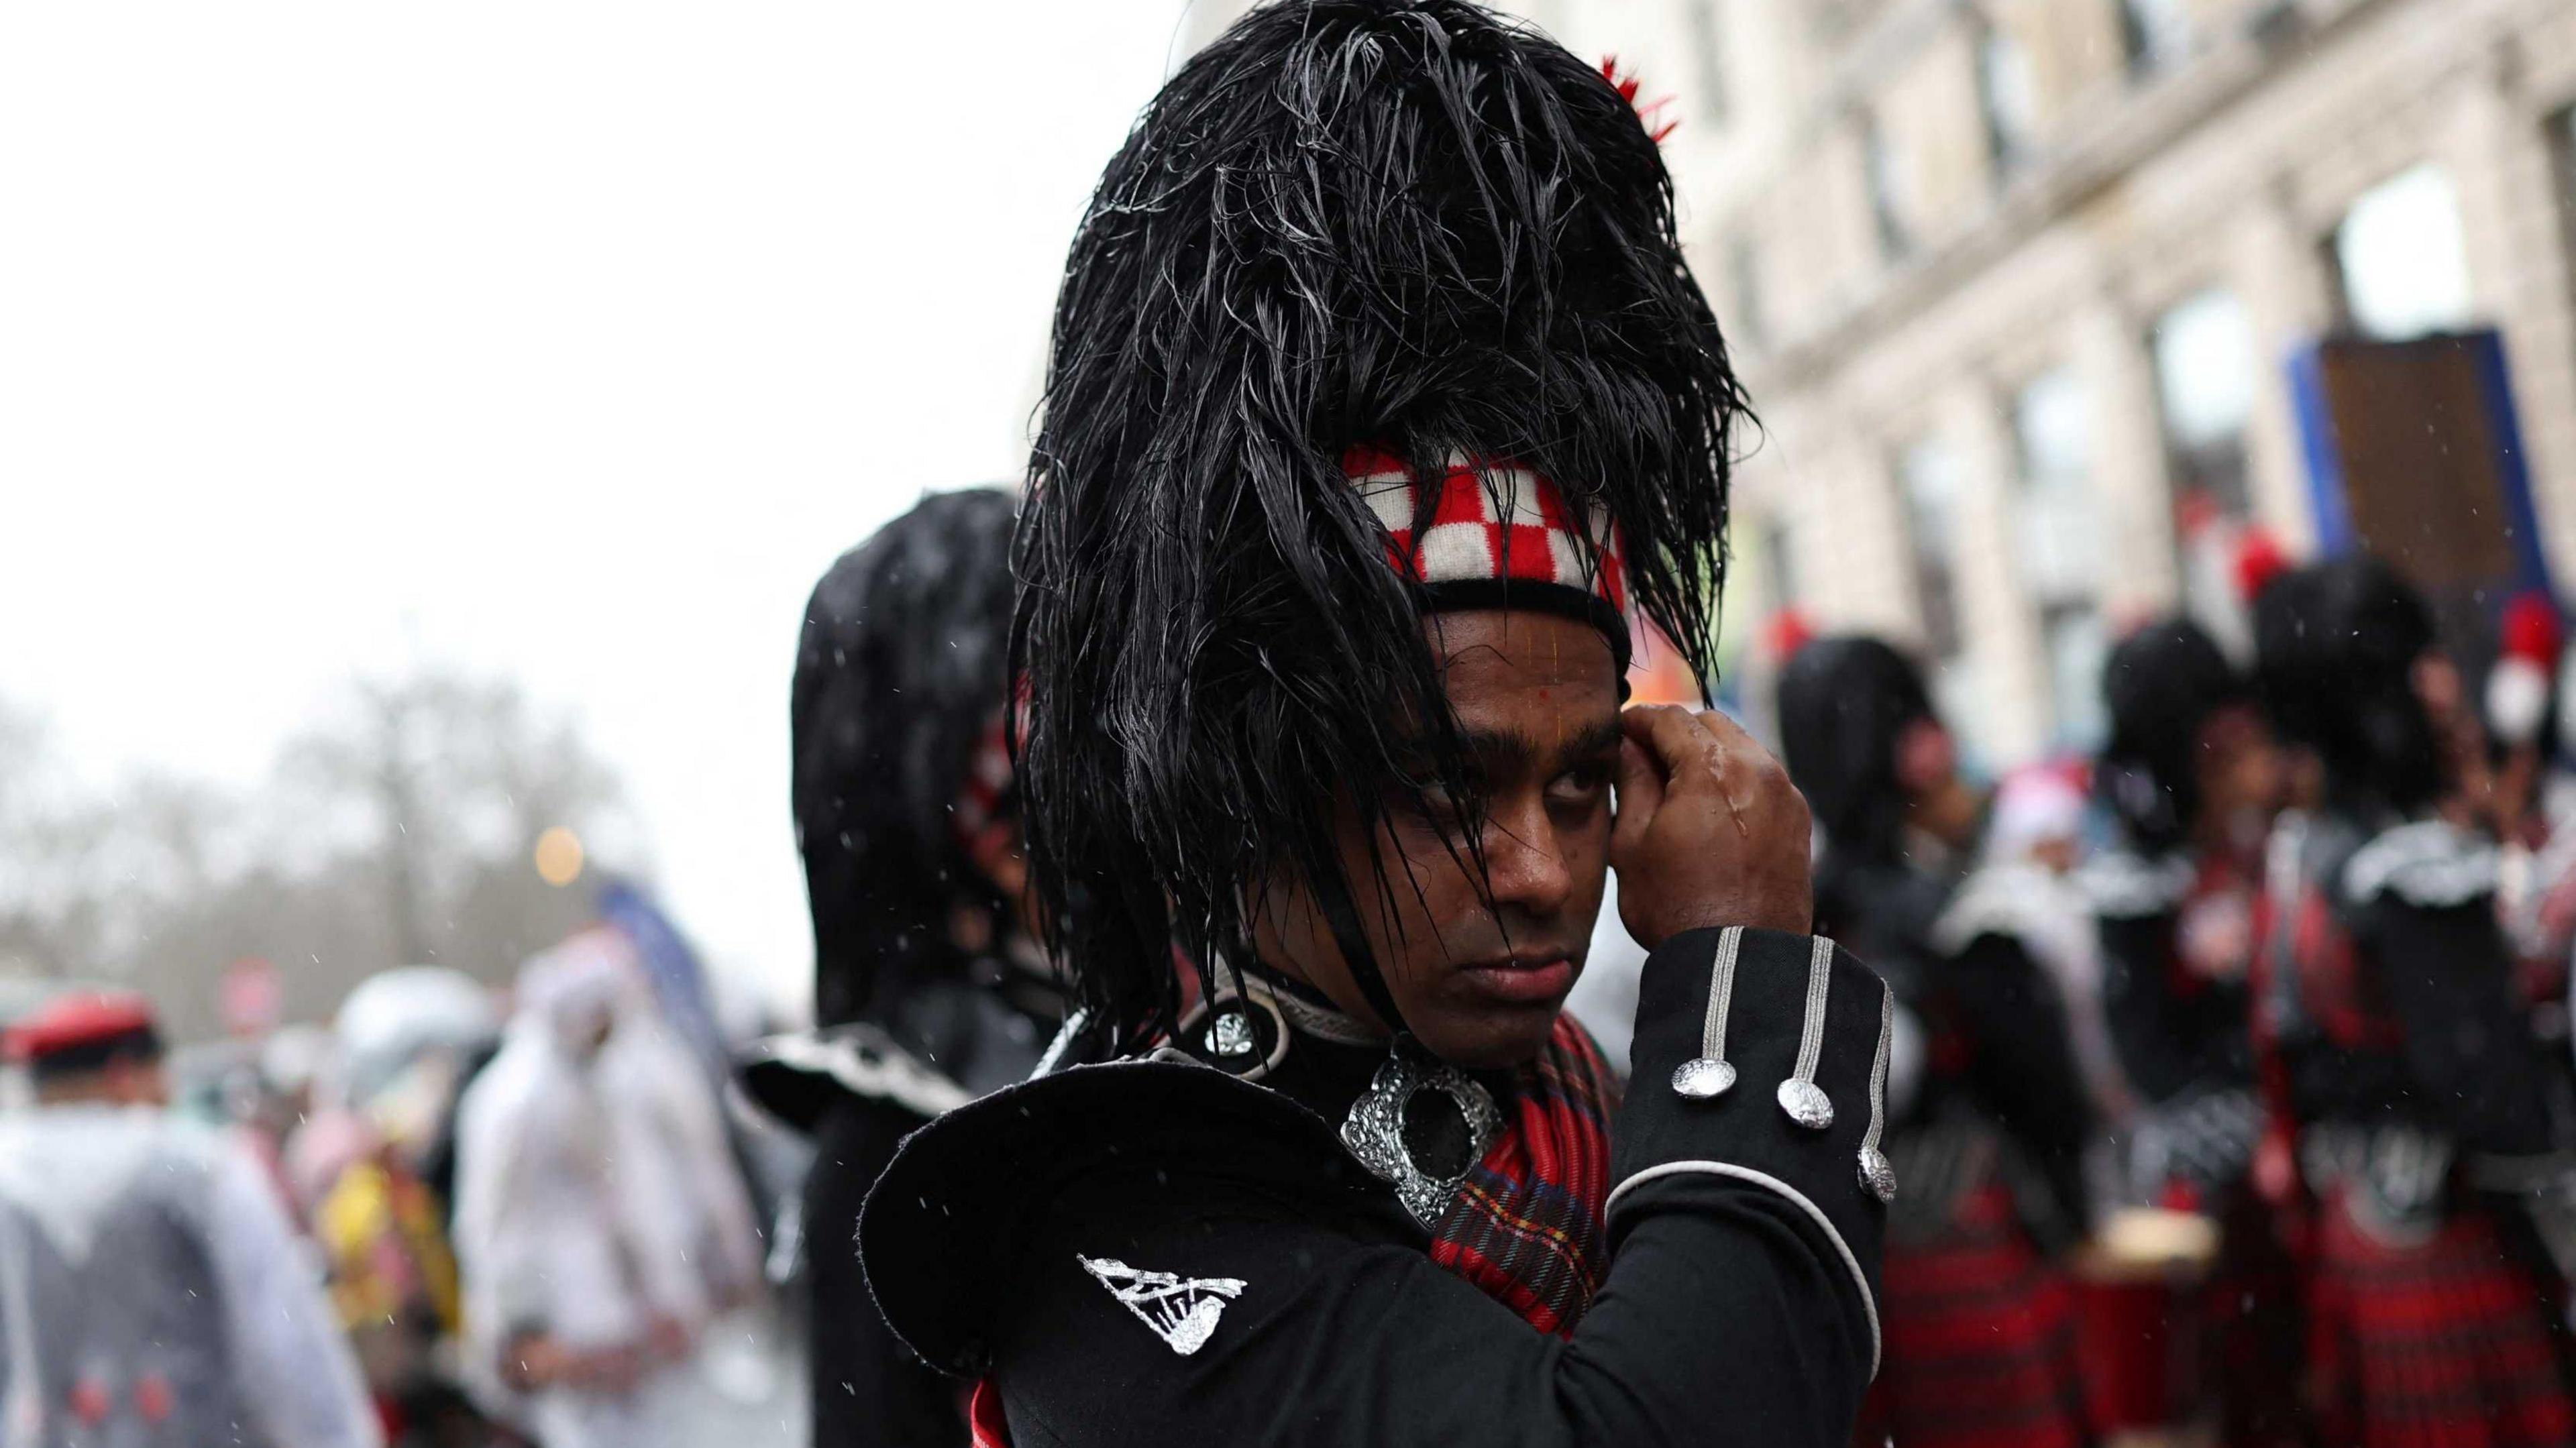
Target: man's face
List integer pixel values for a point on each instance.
(2240, 770)
(1480, 975)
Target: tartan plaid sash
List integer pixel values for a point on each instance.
(1526, 1226)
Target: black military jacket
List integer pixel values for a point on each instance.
(1155, 1252)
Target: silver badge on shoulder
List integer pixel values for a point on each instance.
(1182, 1311)
(1374, 1131)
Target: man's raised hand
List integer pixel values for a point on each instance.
(1709, 831)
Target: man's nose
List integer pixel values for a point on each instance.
(1525, 858)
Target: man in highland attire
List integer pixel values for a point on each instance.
(1382, 411)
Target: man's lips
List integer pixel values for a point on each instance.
(1522, 980)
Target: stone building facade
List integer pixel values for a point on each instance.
(2013, 283)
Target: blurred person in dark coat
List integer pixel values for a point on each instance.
(929, 988)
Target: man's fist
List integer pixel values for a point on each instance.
(1709, 829)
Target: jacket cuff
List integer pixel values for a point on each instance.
(1761, 1057)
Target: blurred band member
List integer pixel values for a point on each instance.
(2388, 998)
(2190, 779)
(2534, 799)
(928, 985)
(1988, 1109)
(2034, 845)
(1381, 400)
(151, 1290)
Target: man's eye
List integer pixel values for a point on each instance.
(1583, 783)
(1431, 802)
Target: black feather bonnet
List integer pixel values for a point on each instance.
(900, 671)
(2336, 645)
(1401, 225)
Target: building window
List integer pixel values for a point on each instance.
(2562, 171)
(2008, 94)
(2400, 259)
(2205, 379)
(1709, 50)
(2155, 33)
(1779, 547)
(1744, 278)
(1889, 191)
(2078, 648)
(1931, 482)
(2057, 545)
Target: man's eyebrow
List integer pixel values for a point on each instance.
(1500, 746)
(1596, 739)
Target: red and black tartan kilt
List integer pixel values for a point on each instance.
(2253, 1315)
(2443, 1344)
(1980, 1343)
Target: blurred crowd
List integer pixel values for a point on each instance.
(2231, 1097)
(451, 1217)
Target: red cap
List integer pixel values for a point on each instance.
(75, 1019)
(2529, 629)
(2259, 560)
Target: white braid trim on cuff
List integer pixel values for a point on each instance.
(1768, 1182)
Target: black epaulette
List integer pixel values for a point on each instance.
(941, 1235)
(796, 1077)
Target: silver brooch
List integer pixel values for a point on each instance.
(1374, 1131)
(1182, 1311)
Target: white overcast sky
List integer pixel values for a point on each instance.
(564, 341)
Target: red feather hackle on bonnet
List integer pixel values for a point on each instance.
(1651, 114)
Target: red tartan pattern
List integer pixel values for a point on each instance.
(1526, 1228)
(1980, 1345)
(1508, 523)
(2441, 1345)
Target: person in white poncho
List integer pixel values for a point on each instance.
(151, 1289)
(599, 1222)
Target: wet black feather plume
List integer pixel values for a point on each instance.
(2336, 648)
(900, 669)
(1405, 223)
